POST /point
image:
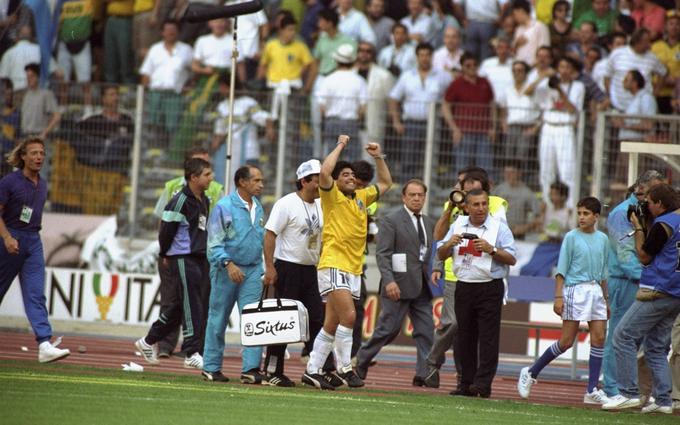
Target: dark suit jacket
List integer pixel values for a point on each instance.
(397, 235)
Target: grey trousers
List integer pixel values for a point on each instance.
(389, 324)
(445, 335)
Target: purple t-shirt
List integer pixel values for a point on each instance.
(17, 192)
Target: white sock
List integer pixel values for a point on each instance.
(323, 344)
(343, 348)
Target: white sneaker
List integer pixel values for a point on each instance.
(194, 362)
(149, 352)
(595, 397)
(48, 352)
(621, 402)
(524, 383)
(655, 408)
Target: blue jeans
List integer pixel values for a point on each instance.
(474, 149)
(651, 320)
(29, 264)
(477, 37)
(621, 297)
(224, 293)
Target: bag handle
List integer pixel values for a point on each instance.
(264, 296)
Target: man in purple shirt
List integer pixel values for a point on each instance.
(22, 196)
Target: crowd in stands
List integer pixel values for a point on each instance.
(512, 76)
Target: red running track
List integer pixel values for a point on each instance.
(110, 353)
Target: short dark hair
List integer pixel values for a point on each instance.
(471, 168)
(298, 183)
(626, 23)
(363, 170)
(6, 84)
(665, 194)
(590, 203)
(33, 67)
(194, 167)
(466, 56)
(196, 150)
(523, 64)
(106, 87)
(416, 182)
(339, 166)
(637, 76)
(424, 46)
(559, 3)
(561, 188)
(475, 192)
(638, 35)
(399, 25)
(329, 15)
(547, 49)
(574, 63)
(243, 173)
(172, 22)
(521, 5)
(287, 21)
(476, 176)
(592, 24)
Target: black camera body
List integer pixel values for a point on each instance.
(641, 211)
(470, 236)
(554, 82)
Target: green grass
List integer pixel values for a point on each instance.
(31, 393)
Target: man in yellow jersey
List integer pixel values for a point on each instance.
(469, 178)
(339, 271)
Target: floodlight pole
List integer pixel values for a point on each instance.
(230, 119)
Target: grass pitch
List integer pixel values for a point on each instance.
(31, 393)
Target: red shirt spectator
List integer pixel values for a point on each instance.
(650, 16)
(470, 100)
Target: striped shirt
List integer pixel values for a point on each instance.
(623, 60)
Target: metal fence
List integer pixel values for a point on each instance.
(101, 165)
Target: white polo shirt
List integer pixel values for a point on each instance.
(643, 103)
(537, 35)
(521, 109)
(444, 60)
(167, 70)
(621, 61)
(482, 10)
(341, 93)
(355, 24)
(499, 75)
(214, 51)
(416, 93)
(421, 25)
(404, 57)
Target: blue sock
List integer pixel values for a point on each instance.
(548, 355)
(594, 366)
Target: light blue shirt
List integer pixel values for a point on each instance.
(505, 241)
(623, 259)
(583, 257)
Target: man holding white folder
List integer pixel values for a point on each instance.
(403, 255)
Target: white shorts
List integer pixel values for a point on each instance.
(81, 62)
(584, 302)
(331, 279)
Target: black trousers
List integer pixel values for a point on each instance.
(297, 282)
(478, 310)
(190, 280)
(168, 297)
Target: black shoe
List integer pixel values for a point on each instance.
(432, 378)
(361, 372)
(418, 381)
(316, 380)
(333, 379)
(214, 376)
(278, 381)
(462, 392)
(478, 391)
(164, 354)
(253, 377)
(351, 379)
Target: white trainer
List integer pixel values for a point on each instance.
(655, 408)
(149, 352)
(48, 352)
(619, 402)
(194, 362)
(595, 397)
(524, 383)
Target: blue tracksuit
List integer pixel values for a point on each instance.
(232, 236)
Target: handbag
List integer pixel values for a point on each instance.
(274, 321)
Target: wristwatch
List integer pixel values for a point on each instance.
(226, 263)
(494, 251)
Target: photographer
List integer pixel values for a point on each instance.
(482, 248)
(657, 305)
(624, 275)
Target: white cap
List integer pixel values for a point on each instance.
(313, 166)
(345, 54)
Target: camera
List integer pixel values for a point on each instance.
(457, 197)
(641, 211)
(554, 82)
(470, 236)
